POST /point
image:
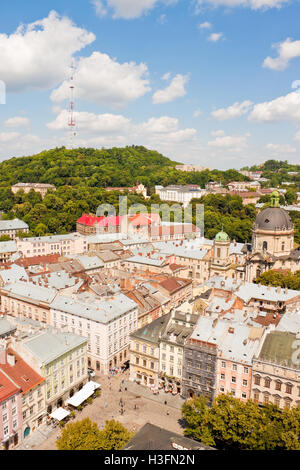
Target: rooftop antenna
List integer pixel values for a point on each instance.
(72, 121)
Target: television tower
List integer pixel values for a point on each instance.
(72, 121)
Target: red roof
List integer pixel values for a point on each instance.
(89, 219)
(143, 219)
(21, 373)
(41, 259)
(173, 284)
(7, 387)
(111, 221)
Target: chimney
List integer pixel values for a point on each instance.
(231, 330)
(11, 360)
(2, 351)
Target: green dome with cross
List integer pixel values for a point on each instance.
(222, 237)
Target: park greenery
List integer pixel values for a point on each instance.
(81, 176)
(227, 212)
(85, 435)
(282, 279)
(230, 424)
(278, 172)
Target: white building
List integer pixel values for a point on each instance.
(106, 322)
(11, 227)
(70, 244)
(180, 194)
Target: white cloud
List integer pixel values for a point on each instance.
(174, 90)
(162, 19)
(99, 8)
(287, 50)
(38, 55)
(160, 133)
(8, 136)
(252, 4)
(130, 9)
(280, 148)
(297, 136)
(17, 121)
(214, 37)
(233, 111)
(197, 112)
(91, 122)
(233, 143)
(103, 80)
(218, 133)
(205, 25)
(284, 108)
(166, 76)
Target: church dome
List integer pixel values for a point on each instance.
(273, 218)
(222, 237)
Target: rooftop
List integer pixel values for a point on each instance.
(151, 437)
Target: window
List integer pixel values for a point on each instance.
(288, 388)
(267, 382)
(278, 385)
(222, 376)
(5, 430)
(233, 380)
(257, 380)
(234, 367)
(137, 360)
(224, 364)
(4, 417)
(266, 399)
(245, 382)
(244, 395)
(246, 370)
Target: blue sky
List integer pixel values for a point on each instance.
(211, 82)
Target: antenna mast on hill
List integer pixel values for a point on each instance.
(72, 121)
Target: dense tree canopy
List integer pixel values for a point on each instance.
(85, 435)
(227, 212)
(282, 279)
(232, 424)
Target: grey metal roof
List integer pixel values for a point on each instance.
(6, 327)
(49, 345)
(15, 224)
(30, 291)
(8, 247)
(102, 310)
(15, 273)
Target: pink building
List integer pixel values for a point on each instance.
(10, 410)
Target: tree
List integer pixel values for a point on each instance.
(81, 435)
(114, 435)
(282, 279)
(5, 238)
(232, 424)
(85, 435)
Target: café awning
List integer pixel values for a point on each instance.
(59, 414)
(83, 394)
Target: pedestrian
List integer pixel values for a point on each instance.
(165, 402)
(168, 413)
(125, 389)
(120, 390)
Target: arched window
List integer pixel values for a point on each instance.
(265, 246)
